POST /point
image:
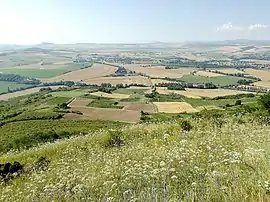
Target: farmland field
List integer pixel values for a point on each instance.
(110, 95)
(96, 71)
(207, 74)
(229, 70)
(160, 72)
(265, 84)
(5, 85)
(80, 102)
(129, 80)
(109, 114)
(130, 91)
(57, 100)
(197, 93)
(174, 107)
(24, 92)
(157, 81)
(139, 106)
(218, 80)
(72, 93)
(34, 73)
(264, 75)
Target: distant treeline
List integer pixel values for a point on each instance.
(19, 79)
(183, 85)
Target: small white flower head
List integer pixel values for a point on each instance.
(162, 164)
(165, 136)
(194, 184)
(174, 177)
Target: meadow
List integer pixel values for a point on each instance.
(159, 162)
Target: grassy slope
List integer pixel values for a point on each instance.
(158, 162)
(4, 85)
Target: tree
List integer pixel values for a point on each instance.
(238, 102)
(265, 101)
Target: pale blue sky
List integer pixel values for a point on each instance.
(126, 21)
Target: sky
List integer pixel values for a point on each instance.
(132, 21)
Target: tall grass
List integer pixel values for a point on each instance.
(157, 162)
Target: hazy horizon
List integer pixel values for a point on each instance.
(28, 22)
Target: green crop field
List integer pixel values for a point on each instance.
(130, 91)
(57, 100)
(70, 94)
(218, 80)
(34, 73)
(4, 86)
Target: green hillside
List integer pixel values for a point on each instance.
(211, 162)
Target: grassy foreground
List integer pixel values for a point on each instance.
(156, 162)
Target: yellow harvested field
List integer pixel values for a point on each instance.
(207, 74)
(230, 49)
(137, 106)
(198, 93)
(265, 84)
(96, 71)
(129, 80)
(174, 107)
(157, 81)
(108, 114)
(110, 95)
(80, 102)
(230, 71)
(264, 75)
(160, 72)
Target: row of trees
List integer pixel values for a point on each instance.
(183, 85)
(19, 79)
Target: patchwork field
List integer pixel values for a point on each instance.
(157, 81)
(217, 80)
(138, 106)
(229, 70)
(264, 75)
(96, 71)
(264, 84)
(24, 92)
(160, 72)
(110, 95)
(197, 93)
(174, 107)
(129, 80)
(80, 102)
(108, 114)
(35, 73)
(207, 74)
(5, 85)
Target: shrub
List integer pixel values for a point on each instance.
(265, 101)
(238, 102)
(114, 139)
(185, 125)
